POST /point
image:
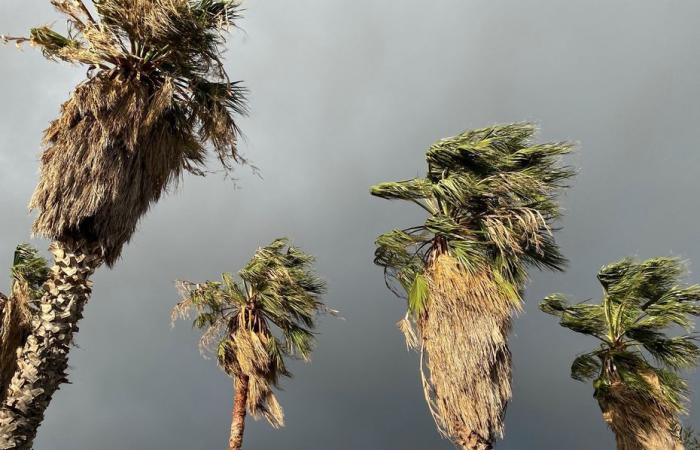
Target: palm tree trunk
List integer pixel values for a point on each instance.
(239, 409)
(43, 361)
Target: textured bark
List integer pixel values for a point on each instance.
(239, 410)
(43, 361)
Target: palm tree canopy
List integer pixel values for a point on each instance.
(641, 302)
(156, 97)
(490, 195)
(254, 324)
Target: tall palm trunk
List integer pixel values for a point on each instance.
(239, 410)
(43, 361)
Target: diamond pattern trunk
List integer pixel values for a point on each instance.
(43, 361)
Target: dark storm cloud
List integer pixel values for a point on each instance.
(346, 94)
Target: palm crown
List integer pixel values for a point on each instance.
(490, 195)
(256, 323)
(156, 95)
(641, 302)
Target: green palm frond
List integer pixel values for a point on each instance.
(491, 198)
(641, 301)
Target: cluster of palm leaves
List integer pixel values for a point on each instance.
(635, 369)
(490, 196)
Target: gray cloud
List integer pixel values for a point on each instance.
(346, 94)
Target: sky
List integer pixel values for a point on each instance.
(345, 94)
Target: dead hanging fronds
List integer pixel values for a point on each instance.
(156, 98)
(464, 333)
(640, 422)
(29, 272)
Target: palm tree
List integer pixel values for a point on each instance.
(29, 272)
(490, 196)
(254, 324)
(155, 98)
(635, 368)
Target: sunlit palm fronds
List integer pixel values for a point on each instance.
(491, 199)
(157, 95)
(635, 369)
(255, 324)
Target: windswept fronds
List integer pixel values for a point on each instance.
(491, 195)
(156, 97)
(641, 401)
(29, 271)
(254, 324)
(491, 200)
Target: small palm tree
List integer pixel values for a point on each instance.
(635, 368)
(490, 196)
(156, 97)
(255, 324)
(29, 272)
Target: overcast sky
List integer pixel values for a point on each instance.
(347, 93)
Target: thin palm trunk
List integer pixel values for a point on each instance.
(43, 360)
(239, 411)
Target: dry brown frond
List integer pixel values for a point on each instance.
(639, 423)
(16, 317)
(464, 333)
